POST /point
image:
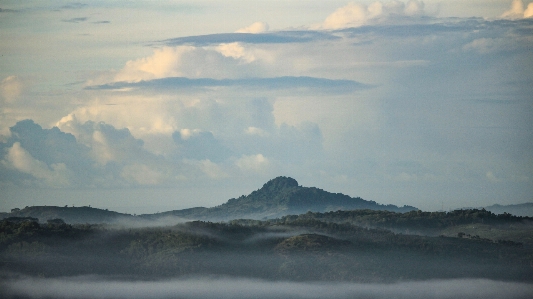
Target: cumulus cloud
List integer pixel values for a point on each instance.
(517, 11)
(256, 27)
(356, 15)
(141, 114)
(18, 158)
(212, 170)
(254, 163)
(490, 45)
(84, 154)
(222, 61)
(107, 144)
(200, 145)
(236, 51)
(48, 145)
(11, 88)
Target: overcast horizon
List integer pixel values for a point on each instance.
(141, 106)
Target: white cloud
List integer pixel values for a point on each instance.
(10, 88)
(142, 114)
(256, 27)
(351, 15)
(491, 45)
(516, 11)
(256, 131)
(18, 158)
(255, 163)
(414, 7)
(356, 14)
(528, 13)
(223, 61)
(106, 143)
(236, 51)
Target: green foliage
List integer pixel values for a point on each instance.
(311, 246)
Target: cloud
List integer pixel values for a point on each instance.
(253, 163)
(48, 145)
(75, 5)
(90, 154)
(18, 158)
(413, 8)
(517, 11)
(200, 145)
(185, 61)
(106, 143)
(53, 157)
(7, 10)
(491, 45)
(236, 50)
(11, 88)
(257, 27)
(75, 20)
(356, 15)
(276, 83)
(278, 37)
(212, 170)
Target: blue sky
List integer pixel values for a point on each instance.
(142, 107)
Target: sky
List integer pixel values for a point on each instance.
(145, 106)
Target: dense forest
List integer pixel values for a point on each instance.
(355, 246)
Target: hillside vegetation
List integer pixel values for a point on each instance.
(278, 197)
(298, 248)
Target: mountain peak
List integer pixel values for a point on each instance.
(280, 183)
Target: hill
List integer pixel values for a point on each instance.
(73, 215)
(524, 209)
(279, 197)
(293, 248)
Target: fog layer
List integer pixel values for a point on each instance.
(99, 287)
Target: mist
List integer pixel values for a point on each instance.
(100, 287)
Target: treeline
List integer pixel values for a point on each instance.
(293, 248)
(415, 220)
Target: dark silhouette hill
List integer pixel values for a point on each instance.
(524, 209)
(73, 215)
(279, 197)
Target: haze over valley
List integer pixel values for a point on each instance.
(150, 149)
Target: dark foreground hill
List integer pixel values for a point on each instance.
(292, 248)
(279, 197)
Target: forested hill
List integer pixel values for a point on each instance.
(69, 214)
(279, 197)
(524, 209)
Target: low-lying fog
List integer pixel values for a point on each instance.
(205, 288)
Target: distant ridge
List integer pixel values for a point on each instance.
(73, 215)
(279, 197)
(523, 209)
